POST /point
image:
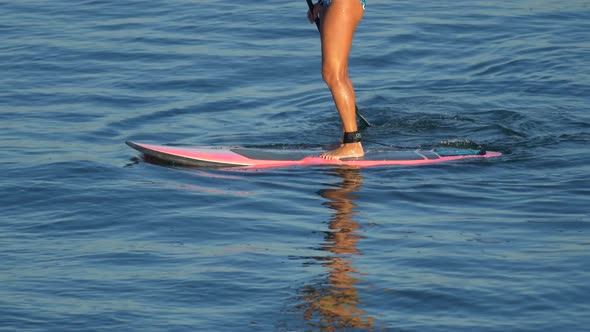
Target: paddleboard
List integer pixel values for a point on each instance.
(265, 158)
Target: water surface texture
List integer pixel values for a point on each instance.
(94, 238)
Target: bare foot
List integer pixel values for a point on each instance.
(349, 150)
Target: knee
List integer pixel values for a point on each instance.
(333, 76)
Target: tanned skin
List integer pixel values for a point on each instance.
(337, 25)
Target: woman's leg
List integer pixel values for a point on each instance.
(339, 21)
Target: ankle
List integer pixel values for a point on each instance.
(351, 137)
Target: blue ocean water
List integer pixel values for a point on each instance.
(94, 238)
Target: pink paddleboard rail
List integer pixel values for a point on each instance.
(224, 156)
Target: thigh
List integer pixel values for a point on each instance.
(338, 24)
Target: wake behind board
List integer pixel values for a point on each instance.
(266, 158)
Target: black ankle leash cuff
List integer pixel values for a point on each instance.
(351, 137)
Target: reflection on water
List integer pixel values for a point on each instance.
(334, 303)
